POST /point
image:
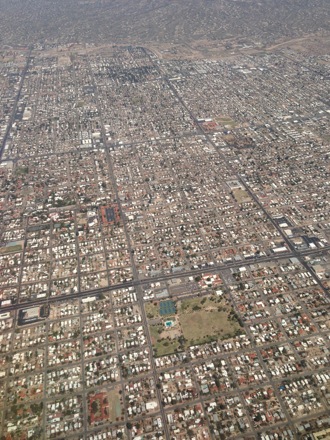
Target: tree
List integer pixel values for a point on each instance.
(94, 407)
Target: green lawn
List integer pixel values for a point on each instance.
(162, 346)
(114, 404)
(241, 195)
(203, 320)
(199, 320)
(152, 311)
(154, 332)
(10, 249)
(166, 347)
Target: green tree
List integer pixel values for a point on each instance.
(94, 407)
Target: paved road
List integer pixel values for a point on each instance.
(163, 278)
(13, 114)
(130, 249)
(138, 284)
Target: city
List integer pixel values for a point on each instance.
(165, 244)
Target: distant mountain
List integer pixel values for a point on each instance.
(97, 21)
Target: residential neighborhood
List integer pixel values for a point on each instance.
(164, 245)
